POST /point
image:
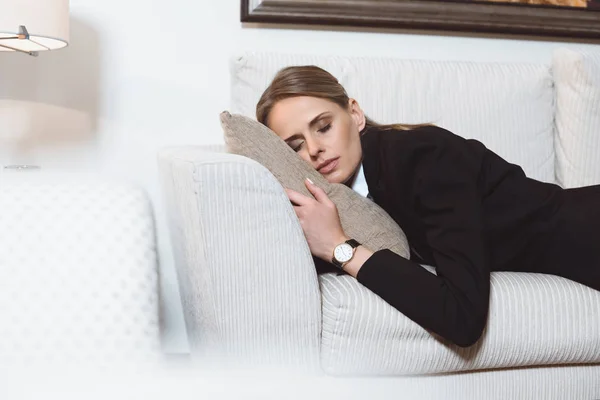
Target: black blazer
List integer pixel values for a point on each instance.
(465, 211)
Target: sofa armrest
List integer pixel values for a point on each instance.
(78, 272)
(248, 283)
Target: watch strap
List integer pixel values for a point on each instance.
(353, 243)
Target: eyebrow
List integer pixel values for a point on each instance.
(312, 123)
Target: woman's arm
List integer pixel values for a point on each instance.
(361, 256)
(453, 304)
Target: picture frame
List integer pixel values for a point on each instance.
(495, 16)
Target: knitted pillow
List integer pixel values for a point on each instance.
(361, 218)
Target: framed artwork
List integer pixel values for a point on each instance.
(558, 18)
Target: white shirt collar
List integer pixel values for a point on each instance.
(360, 183)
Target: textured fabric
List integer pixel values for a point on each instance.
(556, 383)
(361, 219)
(534, 319)
(508, 107)
(78, 272)
(577, 76)
(249, 288)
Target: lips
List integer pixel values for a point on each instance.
(329, 167)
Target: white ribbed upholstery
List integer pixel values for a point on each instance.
(509, 107)
(577, 76)
(558, 383)
(534, 319)
(78, 272)
(248, 282)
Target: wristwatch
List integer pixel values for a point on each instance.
(344, 252)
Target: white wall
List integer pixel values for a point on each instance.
(140, 75)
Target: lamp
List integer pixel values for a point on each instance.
(32, 26)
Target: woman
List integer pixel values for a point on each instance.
(464, 209)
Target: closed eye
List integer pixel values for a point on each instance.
(298, 147)
(325, 128)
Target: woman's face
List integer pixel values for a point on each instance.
(324, 134)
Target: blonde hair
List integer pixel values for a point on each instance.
(311, 81)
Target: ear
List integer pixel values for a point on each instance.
(357, 114)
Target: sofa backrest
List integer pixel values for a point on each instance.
(577, 80)
(509, 107)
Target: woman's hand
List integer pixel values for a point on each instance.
(319, 220)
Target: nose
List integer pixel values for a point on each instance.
(313, 146)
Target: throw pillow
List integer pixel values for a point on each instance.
(361, 218)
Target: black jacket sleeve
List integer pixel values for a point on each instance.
(453, 304)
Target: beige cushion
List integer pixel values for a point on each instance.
(361, 218)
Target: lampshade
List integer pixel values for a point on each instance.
(45, 21)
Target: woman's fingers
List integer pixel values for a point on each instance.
(299, 213)
(302, 200)
(316, 191)
(297, 198)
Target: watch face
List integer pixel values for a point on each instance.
(343, 252)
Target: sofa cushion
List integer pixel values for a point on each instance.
(534, 319)
(361, 218)
(577, 80)
(509, 107)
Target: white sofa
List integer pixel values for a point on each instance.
(248, 282)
